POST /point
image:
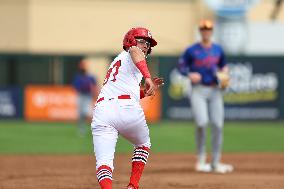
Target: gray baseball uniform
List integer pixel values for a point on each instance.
(206, 98)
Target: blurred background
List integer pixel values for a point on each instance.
(43, 41)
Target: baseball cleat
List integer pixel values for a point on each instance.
(203, 167)
(223, 168)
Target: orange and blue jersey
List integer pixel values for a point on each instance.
(205, 61)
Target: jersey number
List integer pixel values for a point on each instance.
(110, 70)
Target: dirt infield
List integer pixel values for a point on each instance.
(164, 171)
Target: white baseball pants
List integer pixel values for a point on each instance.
(112, 117)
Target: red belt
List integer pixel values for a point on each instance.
(118, 97)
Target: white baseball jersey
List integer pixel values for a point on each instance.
(123, 78)
(113, 116)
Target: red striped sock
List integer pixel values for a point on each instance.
(139, 161)
(104, 175)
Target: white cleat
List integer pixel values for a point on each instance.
(223, 168)
(203, 167)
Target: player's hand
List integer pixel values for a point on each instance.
(194, 77)
(150, 87)
(159, 82)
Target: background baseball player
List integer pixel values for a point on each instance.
(118, 110)
(202, 63)
(87, 89)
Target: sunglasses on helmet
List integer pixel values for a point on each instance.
(143, 41)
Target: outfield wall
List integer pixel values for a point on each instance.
(256, 91)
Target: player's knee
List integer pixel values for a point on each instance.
(202, 124)
(218, 124)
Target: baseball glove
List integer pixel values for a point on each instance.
(223, 80)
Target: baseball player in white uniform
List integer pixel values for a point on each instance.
(118, 111)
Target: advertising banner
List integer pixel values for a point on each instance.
(59, 103)
(50, 103)
(255, 91)
(10, 102)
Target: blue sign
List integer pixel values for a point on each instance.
(10, 102)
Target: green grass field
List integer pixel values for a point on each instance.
(20, 137)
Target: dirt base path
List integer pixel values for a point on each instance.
(163, 171)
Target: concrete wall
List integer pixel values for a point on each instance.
(66, 26)
(98, 26)
(89, 26)
(14, 25)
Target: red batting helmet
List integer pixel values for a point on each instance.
(134, 33)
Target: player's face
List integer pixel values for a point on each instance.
(206, 34)
(144, 45)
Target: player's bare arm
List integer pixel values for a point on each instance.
(138, 57)
(136, 54)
